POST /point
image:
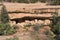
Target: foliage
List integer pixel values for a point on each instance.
(12, 30)
(33, 1)
(6, 29)
(22, 1)
(43, 1)
(4, 15)
(26, 1)
(57, 37)
(50, 34)
(55, 2)
(56, 24)
(34, 26)
(14, 38)
(56, 28)
(55, 17)
(52, 2)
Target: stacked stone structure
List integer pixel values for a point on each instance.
(21, 12)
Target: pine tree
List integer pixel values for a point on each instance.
(4, 15)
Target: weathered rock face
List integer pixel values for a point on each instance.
(14, 7)
(21, 15)
(21, 12)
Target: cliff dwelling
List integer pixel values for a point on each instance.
(20, 20)
(19, 13)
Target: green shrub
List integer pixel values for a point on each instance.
(12, 30)
(33, 1)
(43, 1)
(4, 15)
(37, 26)
(56, 24)
(6, 29)
(55, 2)
(34, 26)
